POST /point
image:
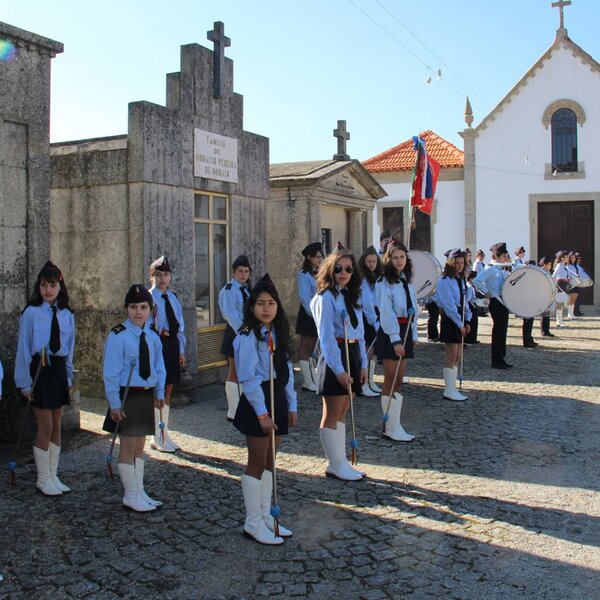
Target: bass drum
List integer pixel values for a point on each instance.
(528, 291)
(426, 271)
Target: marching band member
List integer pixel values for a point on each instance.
(47, 334)
(305, 324)
(263, 315)
(528, 341)
(573, 269)
(451, 291)
(546, 264)
(133, 354)
(582, 273)
(232, 298)
(489, 282)
(397, 298)
(479, 264)
(168, 321)
(338, 289)
(561, 276)
(471, 337)
(370, 269)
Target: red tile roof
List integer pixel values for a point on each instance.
(402, 157)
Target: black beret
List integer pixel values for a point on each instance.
(312, 249)
(241, 261)
(499, 248)
(544, 260)
(370, 250)
(453, 253)
(50, 271)
(161, 264)
(265, 284)
(137, 294)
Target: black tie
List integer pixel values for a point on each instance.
(54, 332)
(171, 318)
(244, 291)
(350, 308)
(144, 357)
(409, 304)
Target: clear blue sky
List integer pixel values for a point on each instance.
(302, 65)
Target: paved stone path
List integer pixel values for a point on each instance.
(497, 498)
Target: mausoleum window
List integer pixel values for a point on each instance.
(564, 141)
(211, 235)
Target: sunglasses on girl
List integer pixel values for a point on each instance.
(338, 269)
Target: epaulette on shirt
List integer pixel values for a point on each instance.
(118, 328)
(380, 279)
(245, 330)
(228, 286)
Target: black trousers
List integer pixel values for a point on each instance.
(471, 337)
(432, 321)
(527, 329)
(499, 314)
(545, 324)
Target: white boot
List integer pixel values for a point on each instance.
(450, 391)
(367, 388)
(166, 411)
(132, 499)
(571, 311)
(341, 435)
(559, 317)
(392, 428)
(374, 387)
(265, 505)
(232, 393)
(254, 526)
(158, 442)
(54, 457)
(139, 479)
(308, 380)
(44, 481)
(338, 466)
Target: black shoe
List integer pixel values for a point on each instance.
(433, 340)
(531, 344)
(578, 313)
(499, 366)
(549, 334)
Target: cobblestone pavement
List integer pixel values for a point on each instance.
(496, 498)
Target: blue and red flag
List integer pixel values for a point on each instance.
(425, 176)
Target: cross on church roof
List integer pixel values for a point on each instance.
(561, 5)
(342, 135)
(221, 41)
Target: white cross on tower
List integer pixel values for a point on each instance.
(561, 5)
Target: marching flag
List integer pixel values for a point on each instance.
(425, 176)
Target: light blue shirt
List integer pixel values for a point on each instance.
(34, 335)
(120, 350)
(478, 266)
(368, 304)
(471, 294)
(1, 377)
(327, 312)
(252, 363)
(448, 290)
(231, 303)
(490, 281)
(560, 273)
(307, 288)
(393, 305)
(159, 318)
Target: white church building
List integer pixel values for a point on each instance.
(529, 174)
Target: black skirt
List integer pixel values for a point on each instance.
(139, 411)
(385, 348)
(305, 324)
(52, 388)
(449, 332)
(227, 344)
(370, 333)
(246, 420)
(328, 385)
(170, 350)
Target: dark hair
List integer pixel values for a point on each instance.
(326, 276)
(387, 234)
(62, 300)
(389, 271)
(370, 276)
(450, 267)
(280, 322)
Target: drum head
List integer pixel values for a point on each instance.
(583, 283)
(426, 272)
(528, 291)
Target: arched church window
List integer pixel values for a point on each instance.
(564, 140)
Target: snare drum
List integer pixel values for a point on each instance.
(426, 271)
(587, 282)
(528, 291)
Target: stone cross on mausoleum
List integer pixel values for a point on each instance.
(561, 5)
(221, 41)
(342, 136)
